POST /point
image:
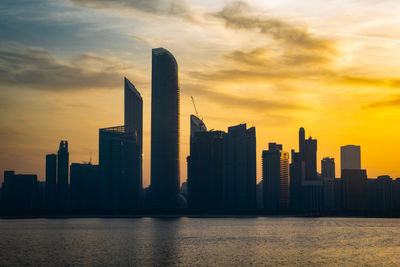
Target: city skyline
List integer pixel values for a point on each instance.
(345, 105)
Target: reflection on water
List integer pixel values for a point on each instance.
(200, 241)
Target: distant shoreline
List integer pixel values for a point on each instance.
(165, 215)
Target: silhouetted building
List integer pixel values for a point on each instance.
(120, 169)
(329, 193)
(84, 186)
(51, 181)
(20, 192)
(165, 177)
(196, 125)
(260, 195)
(62, 175)
(312, 196)
(380, 198)
(275, 173)
(297, 176)
(205, 167)
(328, 167)
(133, 111)
(396, 194)
(310, 158)
(350, 157)
(355, 190)
(239, 173)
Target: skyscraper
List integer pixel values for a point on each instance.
(239, 174)
(62, 174)
(133, 111)
(165, 177)
(205, 170)
(196, 125)
(120, 169)
(355, 190)
(328, 167)
(275, 173)
(350, 157)
(51, 181)
(297, 176)
(310, 158)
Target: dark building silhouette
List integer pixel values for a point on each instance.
(133, 111)
(350, 157)
(312, 195)
(84, 186)
(165, 177)
(51, 181)
(310, 158)
(239, 173)
(275, 174)
(120, 169)
(20, 192)
(355, 190)
(396, 194)
(62, 175)
(328, 167)
(297, 176)
(196, 125)
(380, 194)
(205, 168)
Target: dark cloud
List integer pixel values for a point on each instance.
(160, 7)
(393, 101)
(239, 15)
(232, 101)
(367, 81)
(35, 68)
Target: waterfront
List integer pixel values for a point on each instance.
(200, 241)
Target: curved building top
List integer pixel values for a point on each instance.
(162, 51)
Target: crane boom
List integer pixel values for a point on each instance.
(194, 105)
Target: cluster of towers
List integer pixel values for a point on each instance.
(221, 168)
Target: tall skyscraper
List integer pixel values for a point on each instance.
(328, 167)
(196, 125)
(350, 157)
(205, 170)
(302, 138)
(297, 176)
(51, 181)
(310, 157)
(275, 173)
(84, 186)
(239, 175)
(120, 169)
(165, 176)
(133, 111)
(62, 174)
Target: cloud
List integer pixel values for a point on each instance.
(175, 8)
(35, 68)
(235, 101)
(239, 15)
(393, 101)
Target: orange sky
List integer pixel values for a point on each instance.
(329, 66)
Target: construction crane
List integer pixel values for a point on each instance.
(195, 109)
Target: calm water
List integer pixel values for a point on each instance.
(200, 242)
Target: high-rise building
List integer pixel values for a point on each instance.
(350, 157)
(133, 111)
(196, 125)
(165, 177)
(205, 170)
(19, 192)
(355, 190)
(51, 181)
(310, 158)
(62, 175)
(239, 174)
(120, 169)
(328, 167)
(297, 176)
(275, 174)
(84, 186)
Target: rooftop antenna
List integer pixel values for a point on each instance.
(194, 105)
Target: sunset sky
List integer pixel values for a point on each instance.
(331, 66)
